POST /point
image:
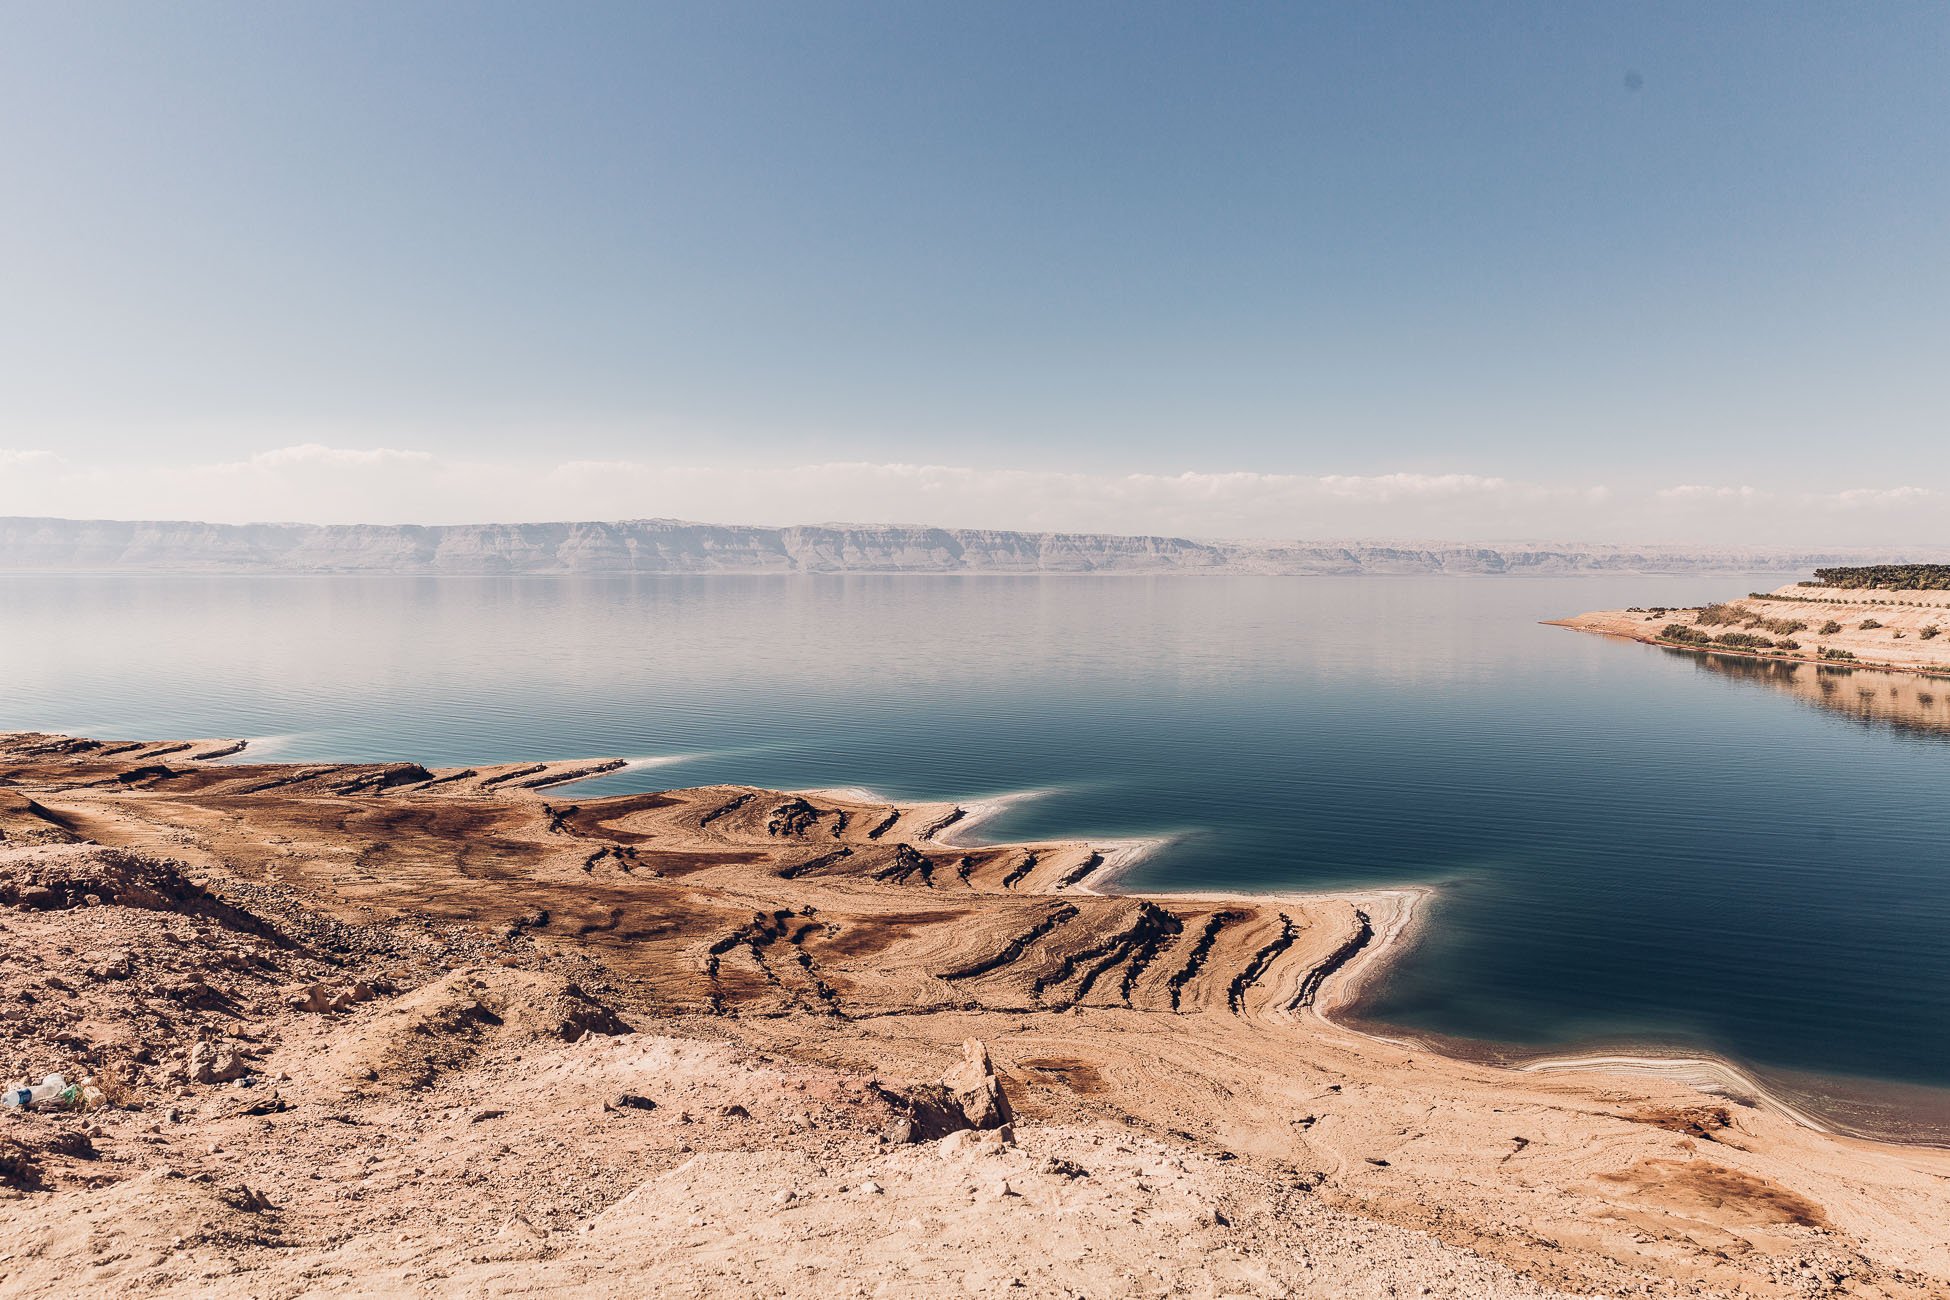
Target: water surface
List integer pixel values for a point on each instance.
(1631, 846)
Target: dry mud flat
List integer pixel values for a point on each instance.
(376, 1030)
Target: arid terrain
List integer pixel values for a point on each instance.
(1867, 627)
(386, 1030)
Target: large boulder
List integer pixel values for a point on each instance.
(969, 1096)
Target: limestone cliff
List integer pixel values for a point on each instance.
(673, 546)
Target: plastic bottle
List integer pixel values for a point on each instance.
(46, 1090)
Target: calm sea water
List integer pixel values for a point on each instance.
(1630, 846)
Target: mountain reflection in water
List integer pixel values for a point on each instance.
(1902, 701)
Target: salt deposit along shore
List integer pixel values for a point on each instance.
(380, 1029)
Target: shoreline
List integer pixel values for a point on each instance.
(1335, 1004)
(1396, 914)
(767, 993)
(1576, 624)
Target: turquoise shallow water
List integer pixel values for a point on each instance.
(1630, 846)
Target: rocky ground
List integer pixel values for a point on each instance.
(385, 1030)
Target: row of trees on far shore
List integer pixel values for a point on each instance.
(1897, 577)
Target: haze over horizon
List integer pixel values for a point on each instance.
(1624, 275)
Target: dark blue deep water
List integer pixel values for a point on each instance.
(1631, 846)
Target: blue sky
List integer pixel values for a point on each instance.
(1646, 271)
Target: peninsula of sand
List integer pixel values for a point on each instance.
(1845, 617)
(382, 1029)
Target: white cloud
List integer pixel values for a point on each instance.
(1396, 487)
(25, 460)
(1696, 492)
(313, 453)
(1883, 498)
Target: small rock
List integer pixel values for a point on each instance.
(215, 1063)
(313, 997)
(345, 1001)
(250, 1200)
(481, 1115)
(871, 1188)
(971, 1142)
(271, 1105)
(628, 1101)
(518, 1229)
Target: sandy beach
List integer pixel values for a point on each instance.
(467, 1033)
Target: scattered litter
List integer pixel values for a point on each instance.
(53, 1089)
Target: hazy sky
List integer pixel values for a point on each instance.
(1619, 271)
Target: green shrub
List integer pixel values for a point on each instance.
(1830, 628)
(1930, 633)
(1743, 641)
(1721, 615)
(1829, 652)
(1867, 625)
(1685, 635)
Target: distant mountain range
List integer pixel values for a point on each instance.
(673, 547)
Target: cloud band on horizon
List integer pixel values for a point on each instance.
(315, 483)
